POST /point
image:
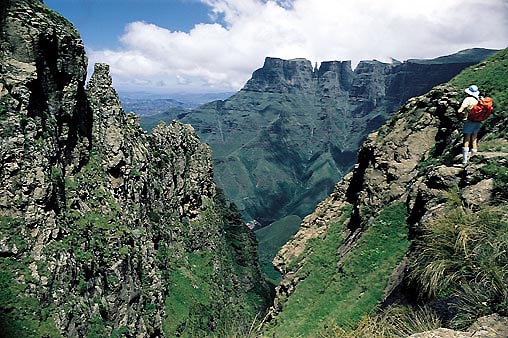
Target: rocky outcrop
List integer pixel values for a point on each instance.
(405, 171)
(492, 326)
(282, 142)
(105, 230)
(45, 122)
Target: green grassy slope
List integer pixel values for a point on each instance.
(332, 294)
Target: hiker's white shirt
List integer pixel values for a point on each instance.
(468, 103)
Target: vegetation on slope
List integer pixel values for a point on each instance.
(332, 294)
(20, 315)
(461, 262)
(462, 258)
(394, 321)
(459, 265)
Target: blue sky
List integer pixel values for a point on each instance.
(170, 46)
(102, 22)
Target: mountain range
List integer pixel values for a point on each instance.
(282, 142)
(107, 230)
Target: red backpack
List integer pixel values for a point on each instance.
(481, 110)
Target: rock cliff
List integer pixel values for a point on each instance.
(282, 142)
(409, 225)
(105, 230)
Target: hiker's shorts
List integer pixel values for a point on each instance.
(471, 127)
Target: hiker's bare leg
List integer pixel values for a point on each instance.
(474, 141)
(467, 138)
(474, 144)
(465, 148)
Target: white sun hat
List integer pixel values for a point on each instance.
(473, 91)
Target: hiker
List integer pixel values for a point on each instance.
(470, 128)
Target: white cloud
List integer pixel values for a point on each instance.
(223, 55)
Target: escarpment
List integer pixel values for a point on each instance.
(408, 226)
(105, 230)
(284, 140)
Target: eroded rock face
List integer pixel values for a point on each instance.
(281, 76)
(45, 121)
(103, 227)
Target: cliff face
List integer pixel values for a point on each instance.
(409, 225)
(284, 140)
(104, 229)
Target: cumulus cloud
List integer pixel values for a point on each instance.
(221, 56)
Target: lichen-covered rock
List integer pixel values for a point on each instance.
(105, 230)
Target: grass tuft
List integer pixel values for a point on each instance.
(463, 255)
(395, 321)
